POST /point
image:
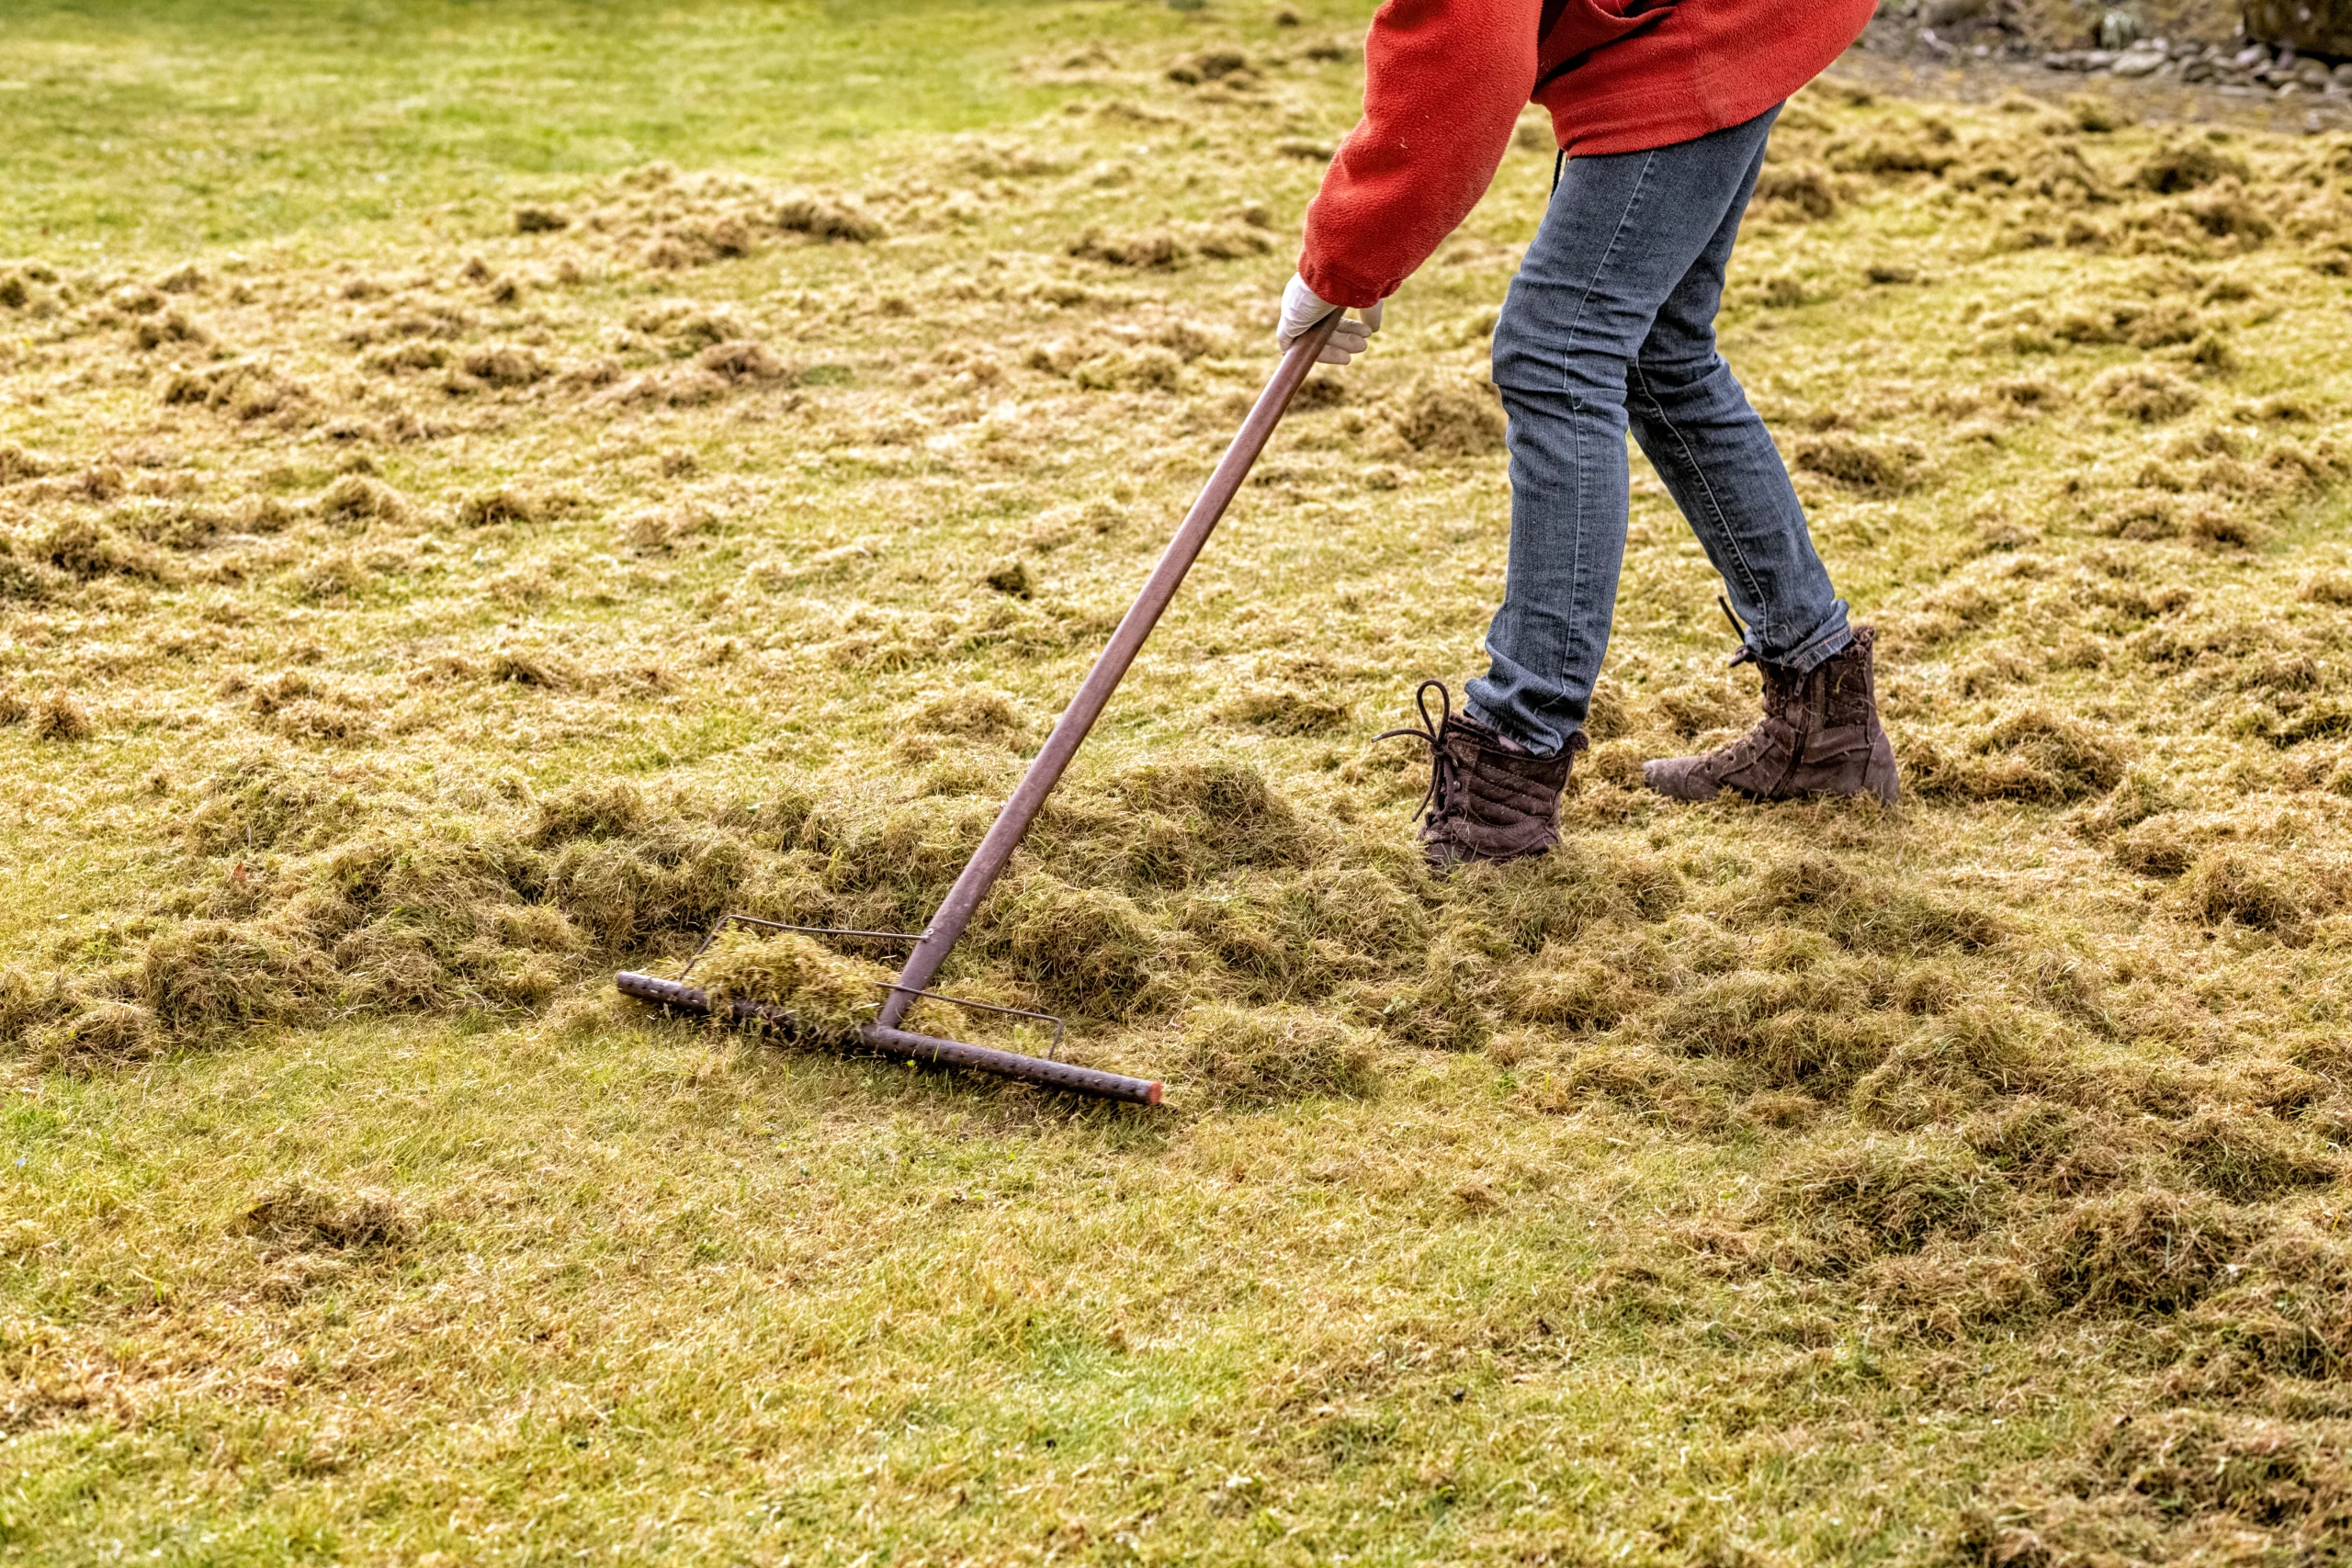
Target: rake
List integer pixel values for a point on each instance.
(930, 946)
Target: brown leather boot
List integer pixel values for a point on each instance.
(1820, 736)
(1488, 800)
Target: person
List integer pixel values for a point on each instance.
(1661, 113)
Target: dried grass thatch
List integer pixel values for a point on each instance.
(822, 996)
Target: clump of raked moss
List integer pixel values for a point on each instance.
(818, 997)
(1246, 1059)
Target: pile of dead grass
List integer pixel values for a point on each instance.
(810, 994)
(1459, 417)
(1246, 1058)
(2033, 753)
(301, 1216)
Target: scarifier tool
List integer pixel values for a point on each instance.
(930, 946)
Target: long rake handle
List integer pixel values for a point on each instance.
(1070, 730)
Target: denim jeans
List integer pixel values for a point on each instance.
(1611, 321)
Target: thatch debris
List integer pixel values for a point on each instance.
(823, 997)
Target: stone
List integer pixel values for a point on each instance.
(2308, 27)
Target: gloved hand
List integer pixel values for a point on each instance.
(1301, 308)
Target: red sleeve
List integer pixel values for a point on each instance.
(1444, 80)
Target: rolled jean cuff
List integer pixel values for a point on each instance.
(1828, 640)
(1471, 710)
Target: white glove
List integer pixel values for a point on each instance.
(1301, 308)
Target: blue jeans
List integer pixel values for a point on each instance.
(1611, 321)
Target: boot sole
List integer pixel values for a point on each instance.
(1651, 776)
(1887, 796)
(1445, 866)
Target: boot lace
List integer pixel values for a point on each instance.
(1444, 773)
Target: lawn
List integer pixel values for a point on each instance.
(484, 491)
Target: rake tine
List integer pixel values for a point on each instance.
(909, 1046)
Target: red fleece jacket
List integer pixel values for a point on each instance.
(1444, 80)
